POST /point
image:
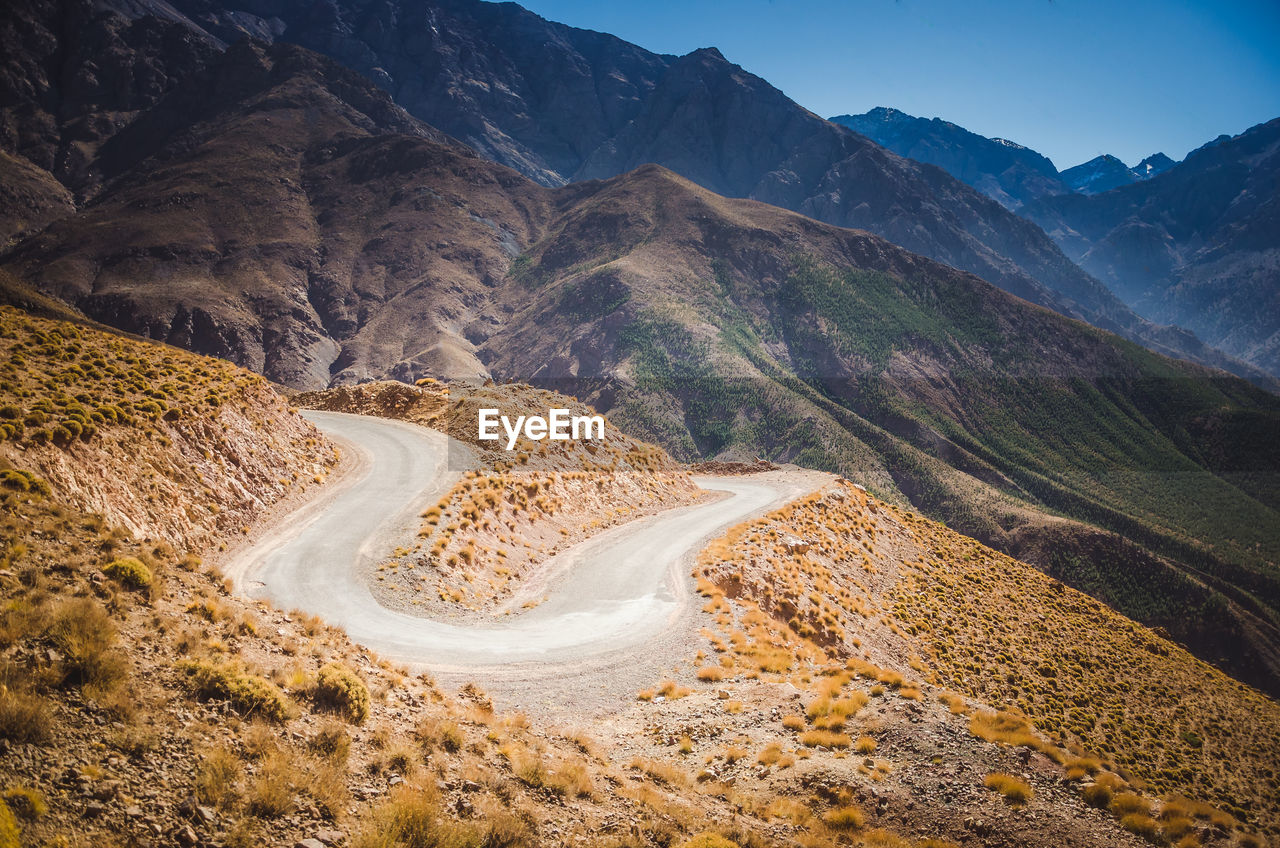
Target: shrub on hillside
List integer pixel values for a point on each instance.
(24, 716)
(248, 693)
(338, 688)
(1097, 795)
(25, 802)
(825, 739)
(23, 482)
(1141, 825)
(84, 634)
(1015, 791)
(845, 818)
(129, 572)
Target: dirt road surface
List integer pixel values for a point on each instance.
(617, 615)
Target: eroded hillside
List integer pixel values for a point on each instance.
(158, 441)
(856, 600)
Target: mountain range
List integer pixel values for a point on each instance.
(1105, 172)
(1195, 245)
(260, 202)
(1045, 513)
(1184, 243)
(560, 104)
(1003, 170)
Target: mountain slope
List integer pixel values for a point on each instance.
(357, 242)
(1195, 245)
(260, 264)
(360, 243)
(1002, 170)
(144, 701)
(533, 95)
(73, 74)
(558, 103)
(1099, 174)
(730, 328)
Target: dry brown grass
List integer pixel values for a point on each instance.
(1094, 692)
(217, 779)
(1015, 791)
(825, 739)
(845, 818)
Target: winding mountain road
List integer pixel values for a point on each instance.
(618, 590)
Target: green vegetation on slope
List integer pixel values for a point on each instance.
(746, 331)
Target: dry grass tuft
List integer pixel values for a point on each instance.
(845, 818)
(1016, 792)
(340, 690)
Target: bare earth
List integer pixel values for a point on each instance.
(617, 613)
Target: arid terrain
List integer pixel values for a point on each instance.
(904, 526)
(815, 695)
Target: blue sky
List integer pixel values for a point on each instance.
(1070, 78)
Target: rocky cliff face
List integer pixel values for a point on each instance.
(531, 94)
(1195, 245)
(160, 443)
(74, 74)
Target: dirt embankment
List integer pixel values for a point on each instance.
(158, 441)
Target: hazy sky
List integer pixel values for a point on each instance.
(1070, 78)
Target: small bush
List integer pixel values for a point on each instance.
(1130, 802)
(711, 674)
(248, 693)
(216, 777)
(865, 745)
(85, 635)
(845, 818)
(451, 737)
(271, 794)
(1176, 827)
(1142, 825)
(24, 716)
(414, 818)
(527, 766)
(1097, 795)
(825, 739)
(25, 802)
(129, 572)
(1015, 791)
(571, 779)
(331, 741)
(338, 689)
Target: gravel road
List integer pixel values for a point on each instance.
(622, 593)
